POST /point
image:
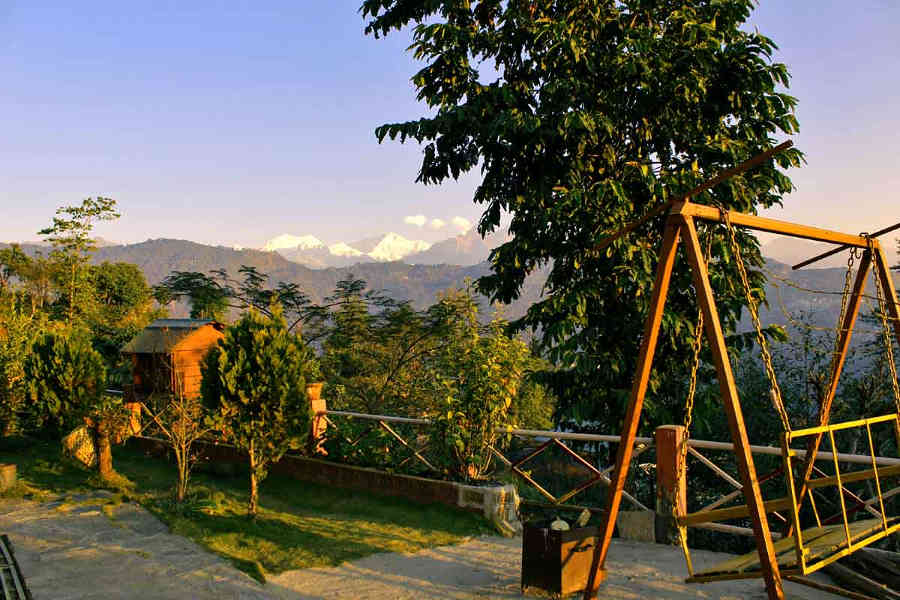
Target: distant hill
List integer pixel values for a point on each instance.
(418, 283)
(421, 283)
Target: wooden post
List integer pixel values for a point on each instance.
(317, 408)
(134, 422)
(7, 476)
(636, 402)
(669, 485)
(767, 559)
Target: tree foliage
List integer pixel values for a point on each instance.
(70, 235)
(211, 296)
(478, 372)
(66, 378)
(583, 116)
(18, 331)
(376, 351)
(254, 386)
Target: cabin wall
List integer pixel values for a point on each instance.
(188, 359)
(178, 372)
(188, 374)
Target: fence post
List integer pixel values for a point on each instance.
(668, 484)
(317, 405)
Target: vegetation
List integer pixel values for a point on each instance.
(478, 378)
(70, 235)
(182, 422)
(584, 116)
(67, 383)
(299, 525)
(254, 386)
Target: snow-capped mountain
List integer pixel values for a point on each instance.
(287, 241)
(396, 247)
(342, 249)
(312, 252)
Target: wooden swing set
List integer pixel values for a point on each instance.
(801, 551)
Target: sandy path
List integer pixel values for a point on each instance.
(79, 552)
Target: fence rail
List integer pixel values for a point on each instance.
(596, 437)
(665, 464)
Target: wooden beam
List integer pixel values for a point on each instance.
(744, 166)
(883, 272)
(706, 185)
(757, 512)
(636, 401)
(814, 259)
(732, 512)
(711, 213)
(843, 343)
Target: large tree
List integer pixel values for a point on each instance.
(583, 115)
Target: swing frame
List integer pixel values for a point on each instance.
(680, 227)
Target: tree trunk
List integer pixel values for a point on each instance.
(254, 491)
(104, 451)
(181, 487)
(72, 295)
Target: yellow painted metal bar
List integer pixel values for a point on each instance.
(798, 433)
(815, 566)
(853, 476)
(877, 479)
(795, 508)
(734, 512)
(837, 474)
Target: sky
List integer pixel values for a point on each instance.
(233, 122)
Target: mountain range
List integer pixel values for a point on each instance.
(465, 249)
(421, 276)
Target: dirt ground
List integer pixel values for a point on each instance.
(79, 551)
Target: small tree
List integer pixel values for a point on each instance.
(70, 235)
(66, 379)
(181, 420)
(17, 333)
(479, 373)
(254, 385)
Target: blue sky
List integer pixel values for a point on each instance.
(233, 122)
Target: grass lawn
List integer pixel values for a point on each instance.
(299, 524)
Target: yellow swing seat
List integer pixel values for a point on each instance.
(811, 549)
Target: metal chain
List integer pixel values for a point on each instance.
(839, 328)
(775, 390)
(886, 334)
(689, 415)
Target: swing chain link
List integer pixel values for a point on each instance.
(681, 463)
(774, 390)
(886, 334)
(842, 315)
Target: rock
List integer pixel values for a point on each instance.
(79, 445)
(7, 476)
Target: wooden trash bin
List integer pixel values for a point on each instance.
(557, 562)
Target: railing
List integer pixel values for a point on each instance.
(415, 444)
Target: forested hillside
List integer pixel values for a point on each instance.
(421, 283)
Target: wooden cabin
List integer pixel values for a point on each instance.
(167, 355)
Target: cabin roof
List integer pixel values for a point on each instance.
(163, 336)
